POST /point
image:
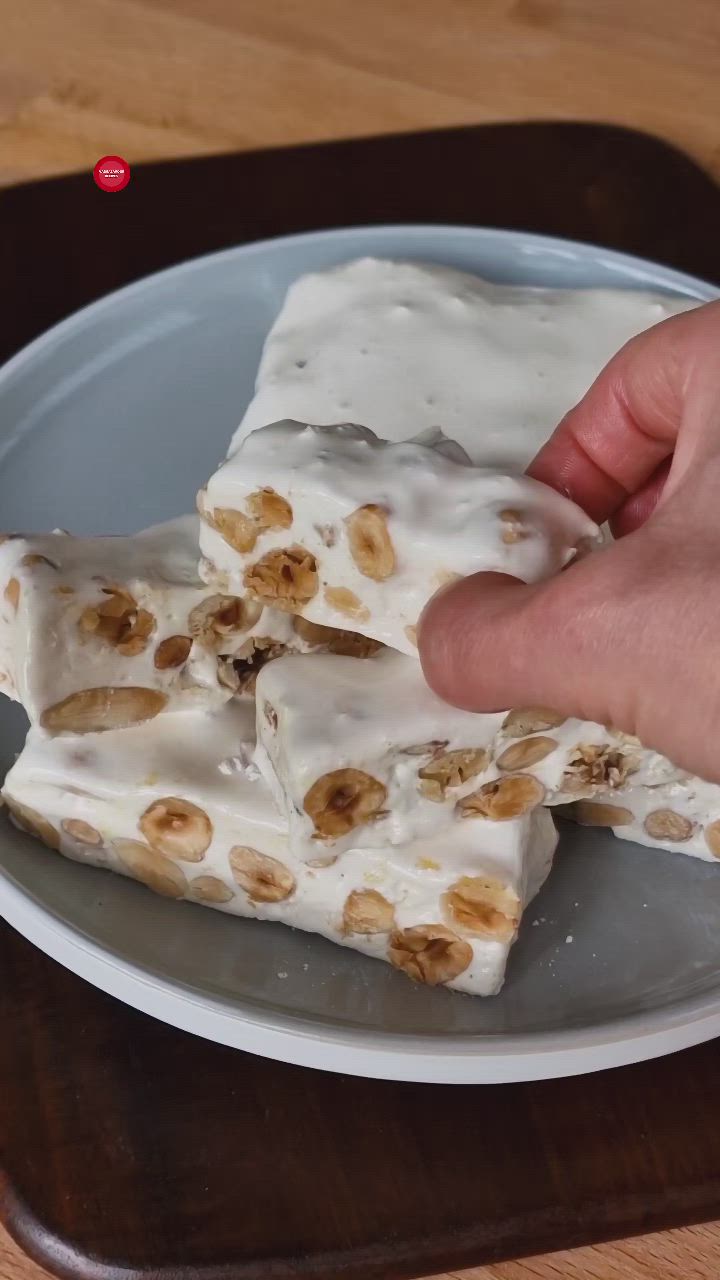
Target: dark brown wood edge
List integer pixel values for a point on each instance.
(595, 182)
(396, 1260)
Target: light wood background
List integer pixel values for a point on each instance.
(151, 79)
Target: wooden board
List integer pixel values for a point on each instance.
(126, 1145)
(159, 78)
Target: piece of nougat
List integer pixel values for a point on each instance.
(682, 816)
(370, 753)
(406, 346)
(345, 529)
(178, 805)
(101, 633)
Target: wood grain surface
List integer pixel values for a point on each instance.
(164, 78)
(157, 78)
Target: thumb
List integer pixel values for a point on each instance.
(490, 642)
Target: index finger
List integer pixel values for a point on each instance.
(608, 446)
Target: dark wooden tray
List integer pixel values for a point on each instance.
(130, 1149)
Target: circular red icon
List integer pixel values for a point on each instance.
(112, 173)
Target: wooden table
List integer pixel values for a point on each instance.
(162, 78)
(157, 78)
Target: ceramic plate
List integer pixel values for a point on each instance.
(109, 423)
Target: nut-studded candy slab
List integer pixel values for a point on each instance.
(373, 755)
(348, 530)
(178, 805)
(682, 816)
(102, 633)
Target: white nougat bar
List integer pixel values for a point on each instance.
(345, 529)
(372, 754)
(106, 632)
(178, 805)
(682, 816)
(405, 346)
(365, 752)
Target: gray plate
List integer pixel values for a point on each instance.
(111, 420)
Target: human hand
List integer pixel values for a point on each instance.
(630, 635)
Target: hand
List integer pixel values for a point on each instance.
(629, 636)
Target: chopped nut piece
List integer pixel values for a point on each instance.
(347, 643)
(370, 544)
(263, 878)
(513, 528)
(251, 658)
(411, 635)
(177, 828)
(287, 576)
(210, 573)
(81, 831)
(34, 823)
(238, 530)
(524, 720)
(219, 616)
(484, 906)
(151, 868)
(172, 652)
(367, 911)
(342, 800)
(271, 715)
(712, 837)
(428, 864)
(107, 707)
(269, 510)
(598, 767)
(210, 889)
(426, 748)
(429, 953)
(450, 770)
(32, 560)
(526, 753)
(227, 676)
(503, 799)
(592, 813)
(313, 632)
(12, 593)
(665, 824)
(119, 621)
(345, 601)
